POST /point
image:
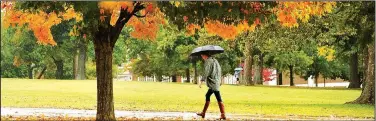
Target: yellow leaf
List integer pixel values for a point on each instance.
(177, 3)
(114, 18)
(16, 61)
(326, 52)
(71, 33)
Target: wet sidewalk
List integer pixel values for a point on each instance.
(49, 112)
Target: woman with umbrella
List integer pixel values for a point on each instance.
(237, 74)
(212, 76)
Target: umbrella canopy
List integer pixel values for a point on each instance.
(238, 69)
(212, 49)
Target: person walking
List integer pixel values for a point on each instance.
(212, 77)
(236, 74)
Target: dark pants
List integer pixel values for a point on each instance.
(216, 93)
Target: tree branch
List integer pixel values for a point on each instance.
(53, 58)
(138, 7)
(123, 19)
(139, 16)
(125, 16)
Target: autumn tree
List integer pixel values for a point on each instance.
(229, 19)
(104, 21)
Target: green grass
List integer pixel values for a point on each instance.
(156, 96)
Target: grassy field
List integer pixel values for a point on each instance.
(156, 96)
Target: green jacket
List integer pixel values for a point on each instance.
(212, 74)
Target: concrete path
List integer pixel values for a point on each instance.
(7, 111)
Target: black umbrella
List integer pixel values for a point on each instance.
(210, 49)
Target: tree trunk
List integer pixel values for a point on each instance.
(257, 73)
(188, 75)
(368, 94)
(81, 61)
(316, 79)
(42, 72)
(105, 102)
(291, 75)
(258, 76)
(159, 78)
(279, 77)
(354, 74)
(30, 71)
(59, 69)
(174, 78)
(104, 42)
(261, 65)
(75, 64)
(365, 65)
(195, 80)
(248, 65)
(324, 81)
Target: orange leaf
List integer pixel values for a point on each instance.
(185, 18)
(257, 21)
(246, 12)
(148, 28)
(101, 11)
(39, 22)
(127, 5)
(102, 18)
(149, 8)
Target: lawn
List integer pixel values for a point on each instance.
(157, 96)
